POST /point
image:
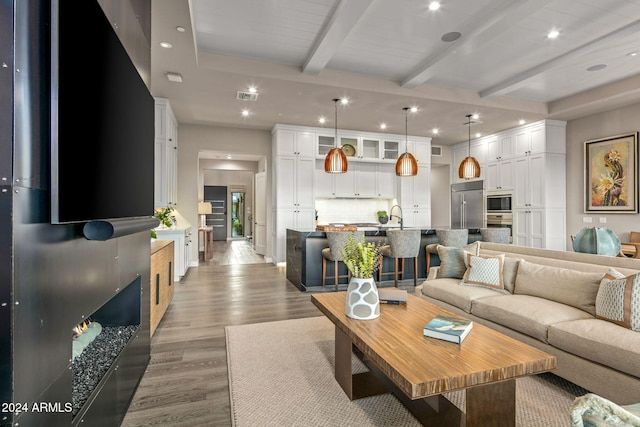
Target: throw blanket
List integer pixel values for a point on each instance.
(592, 410)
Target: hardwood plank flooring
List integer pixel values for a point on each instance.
(186, 382)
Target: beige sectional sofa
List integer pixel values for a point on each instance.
(549, 302)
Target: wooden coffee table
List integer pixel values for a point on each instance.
(418, 369)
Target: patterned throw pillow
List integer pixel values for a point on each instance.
(452, 260)
(618, 301)
(484, 271)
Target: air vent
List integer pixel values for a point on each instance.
(246, 96)
(436, 150)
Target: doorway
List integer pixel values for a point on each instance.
(217, 219)
(237, 215)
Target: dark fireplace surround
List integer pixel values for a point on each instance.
(51, 276)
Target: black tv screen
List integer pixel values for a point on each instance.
(102, 121)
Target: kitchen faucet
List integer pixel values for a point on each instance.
(399, 217)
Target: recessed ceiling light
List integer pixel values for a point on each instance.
(180, 29)
(451, 37)
(478, 135)
(521, 122)
(475, 116)
(553, 34)
(632, 54)
(435, 131)
(383, 126)
(245, 113)
(344, 101)
(174, 77)
(413, 109)
(597, 67)
(166, 45)
(228, 156)
(322, 120)
(252, 89)
(434, 5)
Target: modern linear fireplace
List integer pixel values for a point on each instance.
(98, 341)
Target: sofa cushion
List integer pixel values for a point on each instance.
(509, 271)
(618, 301)
(448, 290)
(452, 259)
(484, 271)
(571, 287)
(599, 341)
(524, 313)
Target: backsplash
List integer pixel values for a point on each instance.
(352, 210)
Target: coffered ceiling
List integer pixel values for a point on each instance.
(490, 57)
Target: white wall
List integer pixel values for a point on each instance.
(192, 139)
(611, 123)
(440, 196)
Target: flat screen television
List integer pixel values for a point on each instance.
(102, 116)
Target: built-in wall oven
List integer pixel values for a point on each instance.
(499, 212)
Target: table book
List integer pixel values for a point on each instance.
(448, 328)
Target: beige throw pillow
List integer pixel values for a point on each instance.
(618, 301)
(571, 287)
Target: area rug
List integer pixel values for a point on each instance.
(282, 374)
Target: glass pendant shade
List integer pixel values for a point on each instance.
(407, 165)
(469, 167)
(336, 160)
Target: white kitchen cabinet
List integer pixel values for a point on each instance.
(499, 175)
(499, 147)
(359, 181)
(183, 239)
(165, 155)
(386, 181)
(529, 228)
(295, 182)
(421, 150)
(415, 198)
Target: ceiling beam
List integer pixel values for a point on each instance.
(343, 21)
(486, 26)
(517, 81)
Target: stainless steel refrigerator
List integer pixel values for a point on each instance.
(467, 205)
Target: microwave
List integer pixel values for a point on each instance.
(497, 203)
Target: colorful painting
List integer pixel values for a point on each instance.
(611, 174)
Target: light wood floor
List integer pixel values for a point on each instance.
(186, 382)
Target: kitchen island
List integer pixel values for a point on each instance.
(304, 257)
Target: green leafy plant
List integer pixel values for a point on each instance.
(165, 216)
(361, 258)
(381, 213)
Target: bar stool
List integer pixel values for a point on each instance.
(496, 235)
(456, 238)
(402, 244)
(337, 240)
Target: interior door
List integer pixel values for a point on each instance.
(217, 219)
(260, 215)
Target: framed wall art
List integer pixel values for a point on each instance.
(611, 174)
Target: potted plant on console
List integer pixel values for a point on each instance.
(361, 259)
(165, 216)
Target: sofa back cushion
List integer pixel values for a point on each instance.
(571, 287)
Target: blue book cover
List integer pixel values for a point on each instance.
(448, 328)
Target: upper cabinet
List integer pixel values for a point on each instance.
(372, 147)
(165, 155)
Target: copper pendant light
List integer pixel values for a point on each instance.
(407, 165)
(336, 160)
(469, 167)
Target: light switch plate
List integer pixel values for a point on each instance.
(602, 220)
(587, 219)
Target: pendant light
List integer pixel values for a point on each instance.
(407, 165)
(469, 168)
(336, 160)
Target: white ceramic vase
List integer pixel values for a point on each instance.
(362, 301)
